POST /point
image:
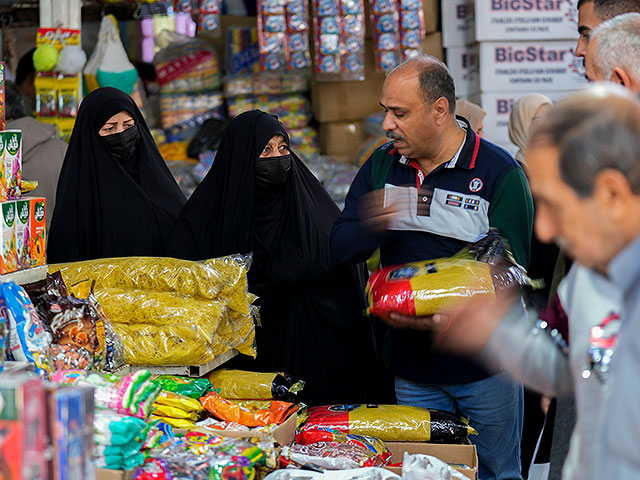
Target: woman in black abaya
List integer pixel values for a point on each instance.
(115, 197)
(259, 197)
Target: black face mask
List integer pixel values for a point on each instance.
(122, 145)
(273, 172)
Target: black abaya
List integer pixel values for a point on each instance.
(105, 208)
(311, 309)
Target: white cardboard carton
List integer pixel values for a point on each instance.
(464, 65)
(498, 108)
(515, 20)
(458, 24)
(533, 66)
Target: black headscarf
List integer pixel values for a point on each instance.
(310, 308)
(105, 208)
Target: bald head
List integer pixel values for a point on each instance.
(434, 79)
(593, 130)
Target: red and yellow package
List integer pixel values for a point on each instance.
(248, 415)
(37, 233)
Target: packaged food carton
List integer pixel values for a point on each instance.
(37, 231)
(8, 253)
(23, 231)
(11, 167)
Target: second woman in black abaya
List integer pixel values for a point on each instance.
(115, 197)
(311, 309)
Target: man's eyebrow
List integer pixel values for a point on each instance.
(390, 107)
(583, 29)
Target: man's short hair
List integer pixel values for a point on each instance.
(582, 2)
(14, 103)
(593, 130)
(434, 77)
(618, 45)
(606, 9)
(25, 67)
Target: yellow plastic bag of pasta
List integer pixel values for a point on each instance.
(169, 311)
(239, 384)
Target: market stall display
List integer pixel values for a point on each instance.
(169, 311)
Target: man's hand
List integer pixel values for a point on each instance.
(437, 322)
(472, 325)
(375, 216)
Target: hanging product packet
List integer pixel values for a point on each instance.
(239, 384)
(484, 268)
(389, 423)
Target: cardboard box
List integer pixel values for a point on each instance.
(517, 20)
(464, 65)
(23, 230)
(460, 454)
(530, 66)
(458, 23)
(8, 254)
(341, 139)
(349, 101)
(284, 433)
(23, 443)
(431, 10)
(37, 231)
(498, 108)
(107, 474)
(432, 45)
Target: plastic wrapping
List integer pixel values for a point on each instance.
(256, 416)
(185, 64)
(390, 423)
(189, 387)
(169, 404)
(483, 269)
(369, 473)
(239, 384)
(173, 312)
(426, 467)
(339, 39)
(283, 34)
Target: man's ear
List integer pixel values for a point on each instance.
(441, 110)
(622, 77)
(613, 192)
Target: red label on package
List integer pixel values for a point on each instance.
(174, 69)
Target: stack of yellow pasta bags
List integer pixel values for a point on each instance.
(169, 311)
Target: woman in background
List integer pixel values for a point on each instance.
(115, 196)
(259, 197)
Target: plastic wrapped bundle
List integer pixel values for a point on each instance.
(482, 269)
(172, 312)
(390, 423)
(238, 384)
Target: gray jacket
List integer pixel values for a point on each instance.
(531, 356)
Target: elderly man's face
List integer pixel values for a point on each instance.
(579, 226)
(408, 121)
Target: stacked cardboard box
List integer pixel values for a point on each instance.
(500, 50)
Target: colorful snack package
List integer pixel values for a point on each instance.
(8, 253)
(37, 231)
(251, 417)
(23, 232)
(389, 423)
(29, 340)
(189, 387)
(380, 454)
(11, 167)
(327, 456)
(239, 384)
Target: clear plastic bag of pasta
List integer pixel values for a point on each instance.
(484, 268)
(239, 384)
(173, 312)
